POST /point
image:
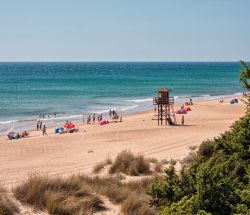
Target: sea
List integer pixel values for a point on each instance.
(76, 89)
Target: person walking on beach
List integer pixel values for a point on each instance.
(83, 120)
(110, 113)
(101, 117)
(93, 118)
(44, 130)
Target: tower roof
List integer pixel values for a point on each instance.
(163, 90)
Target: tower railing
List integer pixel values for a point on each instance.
(160, 101)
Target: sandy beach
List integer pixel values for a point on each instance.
(72, 153)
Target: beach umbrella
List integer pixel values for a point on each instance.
(69, 125)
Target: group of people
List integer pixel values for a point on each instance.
(92, 119)
(44, 115)
(113, 115)
(13, 135)
(40, 126)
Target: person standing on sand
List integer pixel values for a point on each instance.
(101, 117)
(191, 101)
(83, 120)
(93, 118)
(41, 125)
(182, 120)
(37, 125)
(44, 130)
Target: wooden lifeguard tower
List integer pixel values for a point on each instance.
(164, 105)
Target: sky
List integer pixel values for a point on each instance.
(124, 30)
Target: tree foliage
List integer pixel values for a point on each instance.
(244, 77)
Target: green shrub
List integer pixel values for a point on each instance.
(217, 182)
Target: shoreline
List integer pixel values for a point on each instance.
(77, 118)
(71, 153)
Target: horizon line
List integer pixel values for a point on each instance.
(121, 61)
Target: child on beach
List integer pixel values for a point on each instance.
(44, 130)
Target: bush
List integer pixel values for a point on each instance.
(206, 149)
(217, 182)
(130, 164)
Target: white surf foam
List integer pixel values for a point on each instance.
(140, 100)
(8, 122)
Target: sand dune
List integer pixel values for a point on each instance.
(78, 152)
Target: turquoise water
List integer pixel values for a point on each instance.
(76, 89)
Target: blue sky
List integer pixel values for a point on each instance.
(128, 30)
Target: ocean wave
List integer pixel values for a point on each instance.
(128, 108)
(60, 118)
(8, 122)
(140, 100)
(237, 94)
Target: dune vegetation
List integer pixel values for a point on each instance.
(84, 195)
(7, 206)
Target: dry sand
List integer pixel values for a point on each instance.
(72, 153)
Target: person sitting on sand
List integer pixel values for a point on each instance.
(17, 136)
(25, 134)
(44, 130)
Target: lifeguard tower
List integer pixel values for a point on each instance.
(164, 105)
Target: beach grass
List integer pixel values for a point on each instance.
(58, 195)
(81, 193)
(99, 166)
(7, 206)
(130, 164)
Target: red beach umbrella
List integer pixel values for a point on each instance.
(70, 125)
